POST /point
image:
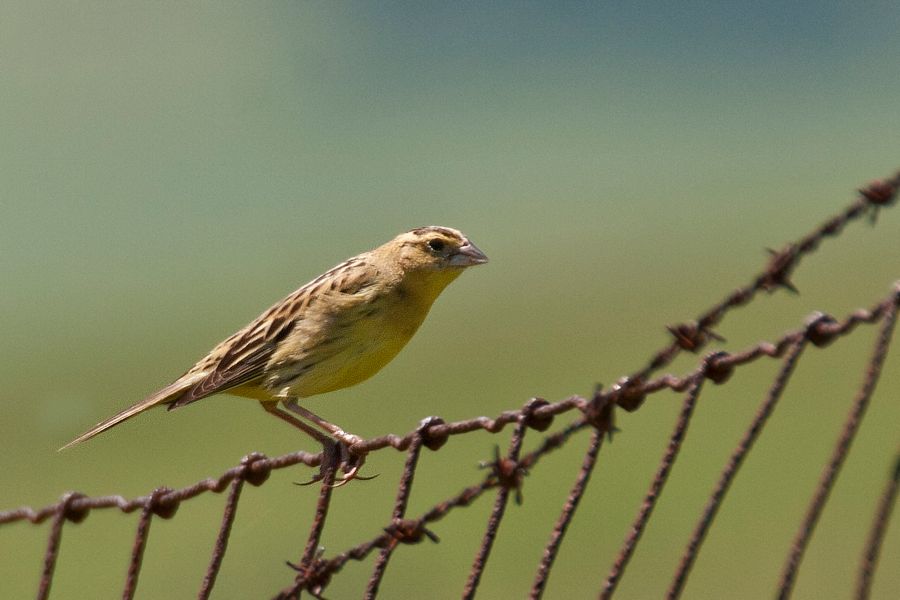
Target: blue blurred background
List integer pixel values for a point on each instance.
(170, 169)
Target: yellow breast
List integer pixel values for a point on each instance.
(346, 347)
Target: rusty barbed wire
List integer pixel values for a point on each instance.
(568, 512)
(694, 335)
(841, 448)
(254, 469)
(137, 551)
(53, 541)
(656, 488)
(821, 328)
(404, 489)
(412, 531)
(629, 393)
(878, 531)
(602, 421)
(215, 561)
(509, 474)
(735, 461)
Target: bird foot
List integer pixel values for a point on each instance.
(347, 439)
(336, 456)
(350, 463)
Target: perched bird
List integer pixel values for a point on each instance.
(334, 332)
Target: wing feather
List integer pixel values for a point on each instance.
(244, 357)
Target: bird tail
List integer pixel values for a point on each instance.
(166, 395)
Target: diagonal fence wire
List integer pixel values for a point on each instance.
(568, 512)
(734, 464)
(878, 531)
(656, 488)
(507, 473)
(140, 542)
(215, 561)
(841, 449)
(404, 489)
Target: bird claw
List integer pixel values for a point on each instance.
(351, 474)
(314, 479)
(336, 456)
(350, 464)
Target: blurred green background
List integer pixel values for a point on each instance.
(170, 169)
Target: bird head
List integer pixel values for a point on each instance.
(436, 248)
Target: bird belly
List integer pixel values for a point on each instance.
(344, 370)
(359, 350)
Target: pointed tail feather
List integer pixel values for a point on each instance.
(163, 396)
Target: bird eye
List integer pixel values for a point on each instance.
(436, 244)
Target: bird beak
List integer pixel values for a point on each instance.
(467, 256)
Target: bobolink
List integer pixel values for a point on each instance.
(336, 331)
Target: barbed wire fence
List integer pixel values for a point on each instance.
(507, 473)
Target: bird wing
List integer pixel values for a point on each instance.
(244, 357)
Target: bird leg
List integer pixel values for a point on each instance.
(272, 408)
(331, 457)
(335, 452)
(348, 438)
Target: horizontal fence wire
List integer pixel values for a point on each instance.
(506, 473)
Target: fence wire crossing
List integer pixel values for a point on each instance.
(507, 472)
